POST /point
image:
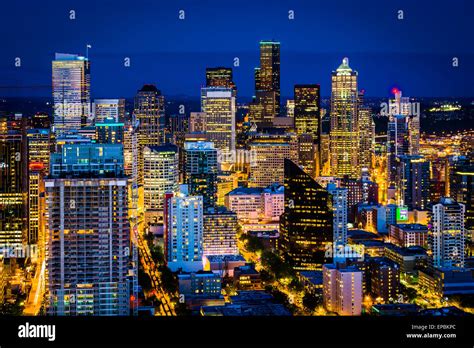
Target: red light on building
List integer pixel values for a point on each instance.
(36, 166)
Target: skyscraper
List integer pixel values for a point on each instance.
(446, 237)
(149, 123)
(307, 125)
(71, 92)
(339, 204)
(161, 176)
(413, 181)
(366, 137)
(88, 232)
(200, 171)
(183, 230)
(306, 226)
(344, 128)
(13, 185)
(267, 84)
(219, 105)
(462, 190)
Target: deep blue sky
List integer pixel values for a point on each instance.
(414, 54)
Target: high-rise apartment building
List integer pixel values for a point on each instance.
(219, 232)
(446, 237)
(88, 232)
(108, 108)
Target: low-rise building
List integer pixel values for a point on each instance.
(407, 235)
(247, 278)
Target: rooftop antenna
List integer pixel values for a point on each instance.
(87, 51)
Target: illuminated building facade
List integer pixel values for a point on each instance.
(109, 131)
(339, 204)
(306, 226)
(88, 232)
(71, 92)
(220, 77)
(108, 108)
(161, 176)
(200, 171)
(413, 181)
(219, 232)
(446, 236)
(344, 128)
(13, 186)
(462, 190)
(383, 279)
(366, 137)
(219, 105)
(342, 289)
(267, 85)
(183, 229)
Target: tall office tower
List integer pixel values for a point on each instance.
(366, 137)
(88, 232)
(149, 121)
(267, 84)
(307, 110)
(220, 232)
(200, 171)
(71, 92)
(108, 108)
(161, 176)
(269, 152)
(339, 206)
(414, 181)
(183, 231)
(307, 125)
(197, 122)
(446, 237)
(342, 289)
(462, 190)
(220, 77)
(324, 155)
(401, 106)
(344, 127)
(219, 105)
(13, 185)
(397, 145)
(36, 204)
(39, 145)
(109, 131)
(149, 111)
(306, 226)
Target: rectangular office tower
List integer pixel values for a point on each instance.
(446, 236)
(71, 92)
(200, 171)
(219, 105)
(161, 176)
(307, 125)
(344, 129)
(88, 232)
(266, 104)
(306, 226)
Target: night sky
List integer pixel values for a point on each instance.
(414, 54)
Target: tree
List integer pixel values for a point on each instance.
(310, 301)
